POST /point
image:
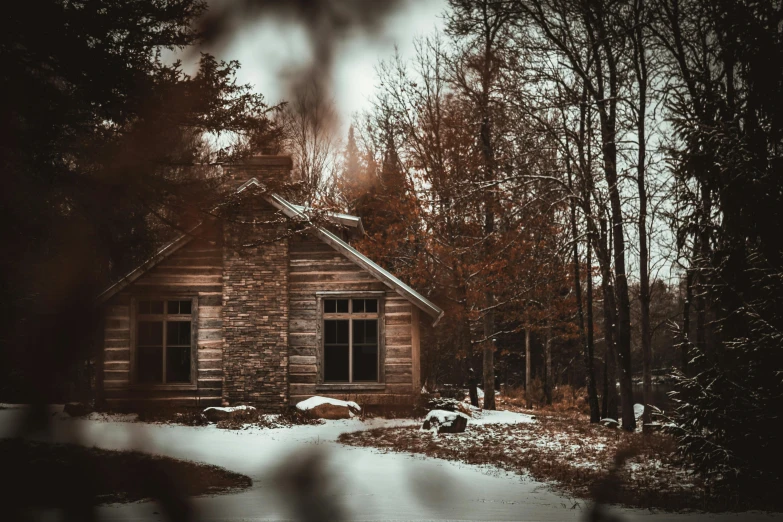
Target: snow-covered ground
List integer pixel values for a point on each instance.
(369, 484)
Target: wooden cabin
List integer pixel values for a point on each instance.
(268, 313)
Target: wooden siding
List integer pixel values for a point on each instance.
(316, 267)
(195, 270)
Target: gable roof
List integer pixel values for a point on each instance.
(298, 213)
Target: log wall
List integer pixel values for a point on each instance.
(317, 267)
(195, 270)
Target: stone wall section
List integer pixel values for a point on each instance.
(255, 307)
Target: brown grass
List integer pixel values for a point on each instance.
(580, 459)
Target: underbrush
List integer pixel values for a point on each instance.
(584, 460)
(240, 419)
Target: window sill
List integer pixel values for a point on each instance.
(363, 386)
(162, 387)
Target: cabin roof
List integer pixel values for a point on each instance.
(299, 213)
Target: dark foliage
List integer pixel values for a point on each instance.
(102, 156)
(729, 118)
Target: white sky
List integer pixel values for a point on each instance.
(266, 47)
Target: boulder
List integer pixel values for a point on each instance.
(77, 409)
(328, 408)
(217, 414)
(445, 421)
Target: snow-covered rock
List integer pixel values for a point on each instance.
(219, 413)
(610, 423)
(445, 421)
(328, 408)
(638, 411)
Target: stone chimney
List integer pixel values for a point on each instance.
(255, 292)
(271, 170)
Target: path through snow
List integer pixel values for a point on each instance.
(371, 485)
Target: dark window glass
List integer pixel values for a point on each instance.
(365, 362)
(365, 331)
(358, 306)
(179, 307)
(330, 306)
(177, 364)
(178, 333)
(144, 307)
(156, 307)
(150, 333)
(336, 363)
(336, 331)
(342, 306)
(149, 363)
(365, 350)
(371, 306)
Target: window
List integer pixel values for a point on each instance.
(350, 340)
(163, 342)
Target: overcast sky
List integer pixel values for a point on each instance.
(267, 46)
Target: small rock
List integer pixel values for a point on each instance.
(214, 414)
(77, 409)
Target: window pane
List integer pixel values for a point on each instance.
(365, 331)
(330, 306)
(365, 363)
(144, 307)
(336, 363)
(336, 332)
(156, 307)
(342, 306)
(178, 363)
(185, 306)
(149, 364)
(358, 306)
(358, 332)
(150, 333)
(177, 333)
(371, 306)
(173, 307)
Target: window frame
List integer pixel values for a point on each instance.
(321, 383)
(134, 320)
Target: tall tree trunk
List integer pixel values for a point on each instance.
(640, 68)
(528, 368)
(610, 328)
(592, 392)
(548, 377)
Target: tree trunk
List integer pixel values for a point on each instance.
(548, 377)
(592, 392)
(528, 367)
(610, 327)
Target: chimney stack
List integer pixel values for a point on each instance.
(271, 170)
